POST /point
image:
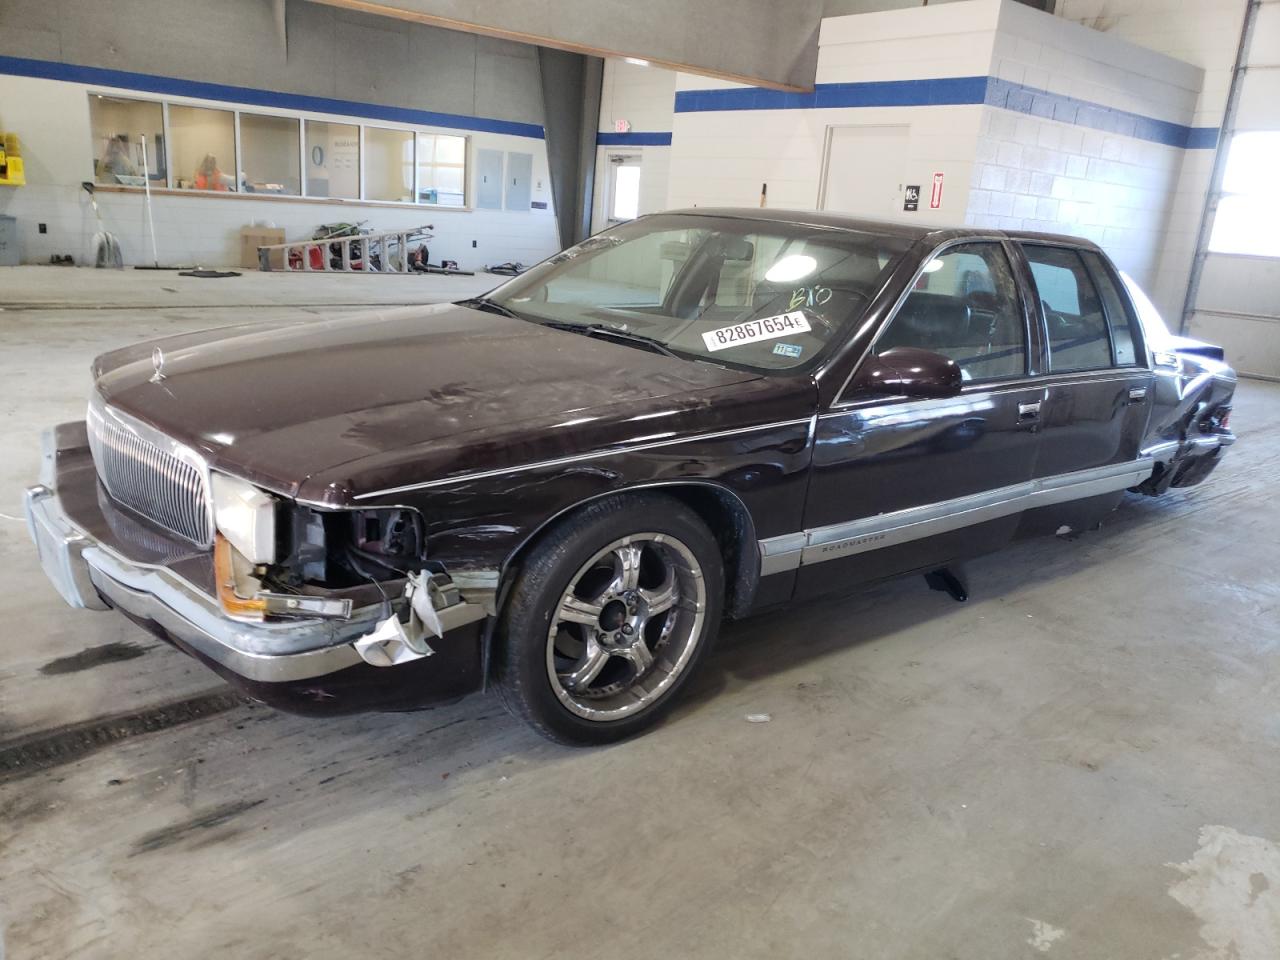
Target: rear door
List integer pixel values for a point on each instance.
(901, 484)
(1097, 382)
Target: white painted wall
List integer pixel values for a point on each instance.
(723, 158)
(643, 96)
(52, 118)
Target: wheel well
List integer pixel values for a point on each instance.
(725, 515)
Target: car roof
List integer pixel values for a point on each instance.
(909, 231)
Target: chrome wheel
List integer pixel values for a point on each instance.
(626, 626)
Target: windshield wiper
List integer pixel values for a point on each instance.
(599, 330)
(626, 336)
(490, 306)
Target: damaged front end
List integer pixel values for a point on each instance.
(314, 609)
(326, 563)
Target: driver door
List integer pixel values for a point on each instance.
(902, 483)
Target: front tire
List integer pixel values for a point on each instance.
(610, 615)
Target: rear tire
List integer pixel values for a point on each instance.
(610, 615)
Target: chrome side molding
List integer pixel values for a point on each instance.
(793, 550)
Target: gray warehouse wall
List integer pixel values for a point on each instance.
(764, 42)
(332, 53)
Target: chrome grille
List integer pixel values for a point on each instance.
(150, 474)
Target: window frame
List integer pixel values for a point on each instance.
(1044, 321)
(1028, 344)
(164, 130)
(298, 160)
(171, 178)
(1141, 355)
(301, 118)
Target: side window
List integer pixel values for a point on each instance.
(965, 306)
(1125, 335)
(1073, 314)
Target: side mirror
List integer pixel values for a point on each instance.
(909, 372)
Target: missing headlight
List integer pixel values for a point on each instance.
(347, 548)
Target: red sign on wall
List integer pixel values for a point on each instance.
(935, 198)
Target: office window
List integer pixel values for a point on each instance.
(442, 167)
(204, 148)
(118, 127)
(333, 160)
(269, 155)
(1073, 314)
(388, 164)
(1247, 213)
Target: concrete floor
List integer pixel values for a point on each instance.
(1079, 762)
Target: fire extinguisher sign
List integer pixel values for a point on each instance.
(935, 198)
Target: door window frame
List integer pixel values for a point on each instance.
(1032, 334)
(1141, 355)
(1140, 351)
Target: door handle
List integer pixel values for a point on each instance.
(1137, 393)
(1029, 411)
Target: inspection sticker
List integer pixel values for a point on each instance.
(753, 331)
(792, 350)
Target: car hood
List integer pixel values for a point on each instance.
(278, 406)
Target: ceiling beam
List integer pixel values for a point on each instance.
(761, 42)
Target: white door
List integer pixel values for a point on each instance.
(623, 199)
(864, 170)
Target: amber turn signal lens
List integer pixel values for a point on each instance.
(225, 576)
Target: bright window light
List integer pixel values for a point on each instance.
(791, 268)
(1245, 219)
(626, 192)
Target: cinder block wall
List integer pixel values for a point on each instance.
(1085, 133)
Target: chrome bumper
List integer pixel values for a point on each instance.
(90, 575)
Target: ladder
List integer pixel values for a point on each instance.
(386, 252)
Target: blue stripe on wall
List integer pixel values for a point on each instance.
(1202, 138)
(635, 138)
(151, 83)
(952, 91)
(1084, 113)
(879, 93)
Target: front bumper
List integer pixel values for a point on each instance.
(272, 660)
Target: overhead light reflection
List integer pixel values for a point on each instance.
(797, 266)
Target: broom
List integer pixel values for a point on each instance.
(106, 248)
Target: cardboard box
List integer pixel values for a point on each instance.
(251, 238)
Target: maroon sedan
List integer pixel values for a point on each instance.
(561, 489)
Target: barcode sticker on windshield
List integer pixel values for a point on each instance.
(753, 331)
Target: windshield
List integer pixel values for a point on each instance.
(739, 292)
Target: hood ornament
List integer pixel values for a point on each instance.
(157, 361)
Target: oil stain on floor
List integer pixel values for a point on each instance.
(92, 657)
